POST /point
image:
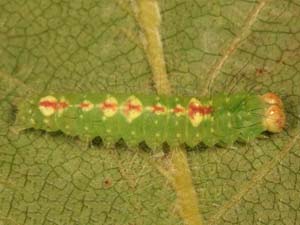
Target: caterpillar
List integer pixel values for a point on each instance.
(154, 119)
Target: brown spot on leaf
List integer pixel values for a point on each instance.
(107, 183)
(260, 71)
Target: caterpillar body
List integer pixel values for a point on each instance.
(154, 119)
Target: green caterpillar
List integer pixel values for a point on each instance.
(154, 119)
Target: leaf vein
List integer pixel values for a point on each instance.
(255, 180)
(216, 68)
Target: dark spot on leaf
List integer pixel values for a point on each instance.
(260, 71)
(107, 183)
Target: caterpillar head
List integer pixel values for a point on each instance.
(274, 117)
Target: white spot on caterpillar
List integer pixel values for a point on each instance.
(176, 123)
(229, 125)
(132, 132)
(103, 118)
(227, 99)
(228, 114)
(29, 111)
(108, 131)
(212, 130)
(157, 134)
(45, 105)
(178, 135)
(46, 121)
(156, 122)
(67, 127)
(81, 116)
(32, 121)
(86, 128)
(197, 135)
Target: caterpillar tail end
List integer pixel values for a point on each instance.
(274, 117)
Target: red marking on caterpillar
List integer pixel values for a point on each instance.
(84, 105)
(107, 105)
(132, 107)
(158, 109)
(198, 109)
(179, 110)
(54, 105)
(49, 105)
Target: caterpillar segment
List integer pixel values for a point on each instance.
(154, 119)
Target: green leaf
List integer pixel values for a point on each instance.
(209, 47)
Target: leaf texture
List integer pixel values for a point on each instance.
(93, 46)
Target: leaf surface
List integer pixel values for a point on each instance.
(209, 47)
